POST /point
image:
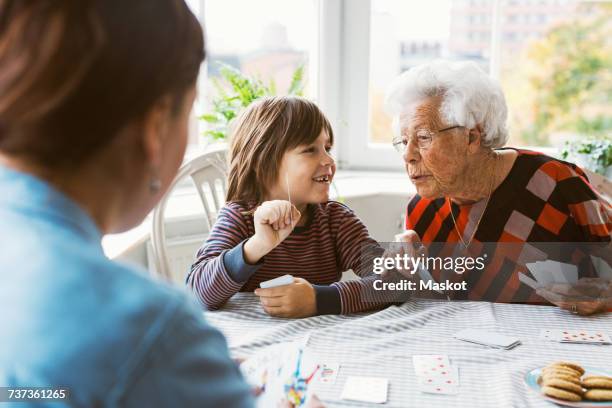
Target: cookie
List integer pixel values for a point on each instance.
(561, 394)
(561, 370)
(570, 378)
(597, 382)
(598, 395)
(571, 366)
(563, 385)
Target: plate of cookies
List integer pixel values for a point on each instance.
(572, 385)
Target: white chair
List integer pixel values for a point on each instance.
(208, 172)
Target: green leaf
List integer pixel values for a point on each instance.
(234, 91)
(209, 117)
(297, 86)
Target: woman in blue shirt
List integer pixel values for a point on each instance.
(94, 104)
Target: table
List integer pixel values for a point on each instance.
(381, 344)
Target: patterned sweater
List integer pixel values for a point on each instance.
(542, 202)
(331, 242)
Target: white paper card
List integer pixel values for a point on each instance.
(487, 338)
(329, 372)
(366, 389)
(280, 281)
(575, 336)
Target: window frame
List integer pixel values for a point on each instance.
(350, 104)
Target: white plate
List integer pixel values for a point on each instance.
(531, 379)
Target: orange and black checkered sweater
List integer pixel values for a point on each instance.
(542, 200)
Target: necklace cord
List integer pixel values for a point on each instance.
(483, 211)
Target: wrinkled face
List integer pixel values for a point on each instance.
(437, 169)
(309, 170)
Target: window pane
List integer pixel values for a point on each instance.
(556, 70)
(405, 34)
(265, 39)
(555, 59)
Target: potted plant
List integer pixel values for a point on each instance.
(234, 92)
(592, 154)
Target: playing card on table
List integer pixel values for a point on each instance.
(329, 372)
(366, 389)
(440, 382)
(575, 336)
(435, 374)
(487, 338)
(426, 364)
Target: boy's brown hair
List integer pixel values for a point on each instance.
(262, 134)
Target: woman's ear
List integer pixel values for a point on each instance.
(155, 130)
(475, 138)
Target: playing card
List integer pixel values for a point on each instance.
(438, 389)
(487, 338)
(448, 377)
(281, 371)
(542, 272)
(366, 389)
(329, 372)
(570, 273)
(549, 272)
(280, 281)
(528, 281)
(435, 374)
(429, 364)
(576, 336)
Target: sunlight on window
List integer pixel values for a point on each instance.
(555, 59)
(245, 39)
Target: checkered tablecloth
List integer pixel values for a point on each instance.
(381, 344)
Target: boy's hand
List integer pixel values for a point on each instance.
(273, 222)
(297, 299)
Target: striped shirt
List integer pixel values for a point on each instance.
(331, 242)
(542, 200)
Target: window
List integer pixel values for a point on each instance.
(426, 32)
(552, 60)
(269, 46)
(401, 35)
(557, 78)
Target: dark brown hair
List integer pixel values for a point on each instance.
(262, 134)
(73, 73)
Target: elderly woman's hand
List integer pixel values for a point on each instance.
(408, 244)
(586, 297)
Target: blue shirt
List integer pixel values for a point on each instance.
(71, 317)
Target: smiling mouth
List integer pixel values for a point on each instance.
(326, 179)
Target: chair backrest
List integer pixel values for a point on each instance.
(209, 175)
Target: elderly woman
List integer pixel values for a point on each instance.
(451, 123)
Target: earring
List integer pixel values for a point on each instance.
(154, 183)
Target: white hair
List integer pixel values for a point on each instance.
(469, 97)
